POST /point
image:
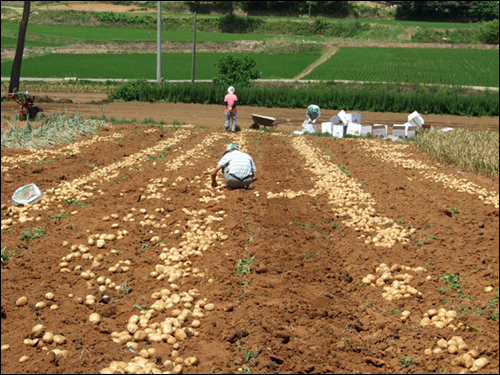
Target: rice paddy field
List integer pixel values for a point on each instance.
(176, 65)
(452, 67)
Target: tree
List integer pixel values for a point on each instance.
(15, 73)
(236, 71)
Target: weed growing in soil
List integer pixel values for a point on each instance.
(58, 217)
(4, 257)
(406, 361)
(140, 308)
(69, 202)
(454, 209)
(125, 289)
(345, 170)
(453, 283)
(394, 312)
(32, 233)
(243, 267)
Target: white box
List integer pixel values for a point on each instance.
(415, 119)
(354, 129)
(354, 118)
(326, 127)
(399, 130)
(309, 128)
(379, 130)
(339, 130)
(366, 129)
(339, 118)
(428, 127)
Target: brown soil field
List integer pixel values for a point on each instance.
(213, 115)
(265, 280)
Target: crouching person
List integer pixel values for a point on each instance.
(237, 167)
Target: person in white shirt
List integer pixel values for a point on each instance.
(237, 167)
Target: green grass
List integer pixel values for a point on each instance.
(436, 66)
(115, 34)
(134, 66)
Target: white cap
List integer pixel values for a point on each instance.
(230, 90)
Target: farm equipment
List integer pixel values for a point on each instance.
(26, 104)
(265, 121)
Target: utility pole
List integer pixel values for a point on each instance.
(158, 43)
(310, 2)
(194, 48)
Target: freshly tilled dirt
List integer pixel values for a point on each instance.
(286, 282)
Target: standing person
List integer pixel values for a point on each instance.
(237, 167)
(313, 113)
(230, 100)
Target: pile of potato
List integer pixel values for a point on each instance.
(286, 194)
(442, 318)
(466, 358)
(392, 153)
(352, 203)
(140, 365)
(398, 283)
(389, 153)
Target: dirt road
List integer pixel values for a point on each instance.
(213, 115)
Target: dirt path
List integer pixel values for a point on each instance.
(213, 115)
(328, 53)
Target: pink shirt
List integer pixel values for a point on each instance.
(230, 99)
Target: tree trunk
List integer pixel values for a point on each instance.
(15, 74)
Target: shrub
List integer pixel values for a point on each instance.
(489, 32)
(236, 70)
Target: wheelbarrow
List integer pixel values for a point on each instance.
(265, 121)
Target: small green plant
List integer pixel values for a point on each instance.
(453, 283)
(494, 317)
(406, 361)
(4, 257)
(140, 308)
(400, 221)
(58, 217)
(365, 305)
(144, 245)
(124, 177)
(471, 327)
(420, 242)
(442, 290)
(454, 209)
(161, 242)
(246, 223)
(430, 265)
(394, 312)
(32, 233)
(243, 266)
(150, 158)
(308, 256)
(125, 289)
(69, 202)
(249, 356)
(345, 170)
